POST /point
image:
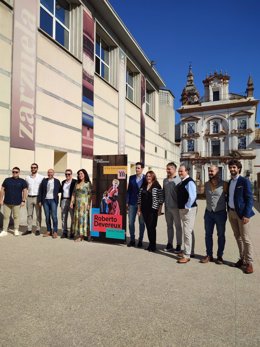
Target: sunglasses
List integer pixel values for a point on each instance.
(67, 174)
(34, 167)
(15, 171)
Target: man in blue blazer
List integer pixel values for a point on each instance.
(48, 197)
(135, 182)
(240, 210)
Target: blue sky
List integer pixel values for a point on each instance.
(212, 35)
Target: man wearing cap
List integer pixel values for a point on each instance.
(13, 196)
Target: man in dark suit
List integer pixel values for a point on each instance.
(48, 197)
(135, 182)
(67, 187)
(240, 210)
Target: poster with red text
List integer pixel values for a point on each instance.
(108, 221)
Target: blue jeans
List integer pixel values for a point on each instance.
(219, 219)
(132, 212)
(50, 210)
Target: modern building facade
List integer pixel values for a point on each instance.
(74, 83)
(217, 127)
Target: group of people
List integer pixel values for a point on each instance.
(145, 198)
(37, 192)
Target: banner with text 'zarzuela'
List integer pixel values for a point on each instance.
(108, 220)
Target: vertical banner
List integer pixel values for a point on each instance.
(121, 101)
(108, 218)
(88, 85)
(142, 137)
(24, 74)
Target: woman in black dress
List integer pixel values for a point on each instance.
(150, 202)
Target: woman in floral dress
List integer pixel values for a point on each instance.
(80, 201)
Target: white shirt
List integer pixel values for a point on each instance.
(66, 189)
(231, 192)
(50, 189)
(33, 183)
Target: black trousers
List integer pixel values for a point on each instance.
(150, 219)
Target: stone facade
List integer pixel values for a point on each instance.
(218, 127)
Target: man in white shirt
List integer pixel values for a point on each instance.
(67, 187)
(33, 182)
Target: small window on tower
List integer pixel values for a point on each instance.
(216, 95)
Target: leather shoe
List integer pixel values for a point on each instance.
(131, 244)
(219, 261)
(183, 260)
(64, 236)
(37, 233)
(206, 259)
(249, 268)
(55, 235)
(140, 244)
(27, 232)
(180, 255)
(239, 263)
(46, 234)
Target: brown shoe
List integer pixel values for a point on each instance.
(183, 260)
(206, 259)
(180, 255)
(249, 268)
(48, 233)
(54, 235)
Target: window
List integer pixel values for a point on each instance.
(191, 146)
(130, 85)
(102, 58)
(215, 127)
(215, 95)
(191, 128)
(242, 142)
(215, 148)
(148, 101)
(54, 20)
(242, 124)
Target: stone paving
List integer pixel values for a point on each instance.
(62, 293)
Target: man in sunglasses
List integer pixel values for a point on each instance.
(33, 181)
(67, 187)
(13, 196)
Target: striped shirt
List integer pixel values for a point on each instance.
(157, 196)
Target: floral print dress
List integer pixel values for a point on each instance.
(82, 193)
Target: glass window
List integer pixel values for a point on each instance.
(215, 148)
(242, 142)
(216, 95)
(54, 20)
(48, 4)
(190, 145)
(191, 128)
(102, 58)
(46, 21)
(148, 97)
(242, 124)
(130, 85)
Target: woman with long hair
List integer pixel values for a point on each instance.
(150, 200)
(80, 201)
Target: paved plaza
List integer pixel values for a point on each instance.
(62, 293)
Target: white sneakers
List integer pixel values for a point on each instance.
(3, 233)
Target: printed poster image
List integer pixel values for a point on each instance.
(108, 220)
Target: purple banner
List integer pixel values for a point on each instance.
(24, 74)
(88, 85)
